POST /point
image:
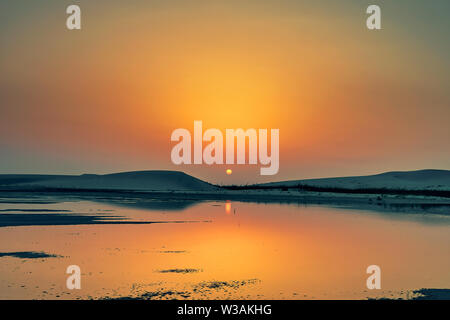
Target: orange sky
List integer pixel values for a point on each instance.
(347, 100)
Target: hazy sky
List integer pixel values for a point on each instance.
(347, 100)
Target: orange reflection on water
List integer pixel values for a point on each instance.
(262, 251)
(228, 207)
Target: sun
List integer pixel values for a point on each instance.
(229, 171)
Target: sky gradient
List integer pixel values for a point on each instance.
(347, 100)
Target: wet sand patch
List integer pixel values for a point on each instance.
(203, 290)
(156, 295)
(29, 255)
(173, 251)
(432, 294)
(235, 284)
(187, 270)
(16, 220)
(34, 210)
(27, 202)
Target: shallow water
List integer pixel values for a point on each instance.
(225, 250)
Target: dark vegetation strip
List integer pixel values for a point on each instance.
(299, 187)
(302, 187)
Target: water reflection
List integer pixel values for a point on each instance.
(268, 251)
(228, 206)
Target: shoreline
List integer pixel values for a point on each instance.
(377, 202)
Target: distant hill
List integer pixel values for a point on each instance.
(407, 180)
(158, 180)
(136, 180)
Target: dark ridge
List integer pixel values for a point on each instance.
(424, 174)
(133, 180)
(414, 175)
(29, 255)
(7, 179)
(304, 187)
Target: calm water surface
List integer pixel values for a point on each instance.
(224, 250)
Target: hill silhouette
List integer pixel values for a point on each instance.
(429, 179)
(154, 180)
